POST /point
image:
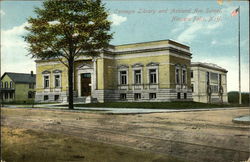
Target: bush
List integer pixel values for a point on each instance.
(233, 97)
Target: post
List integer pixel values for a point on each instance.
(239, 57)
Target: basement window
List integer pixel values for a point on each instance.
(45, 97)
(152, 96)
(185, 95)
(137, 96)
(123, 96)
(178, 95)
(56, 97)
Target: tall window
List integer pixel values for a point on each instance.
(6, 95)
(46, 81)
(57, 80)
(152, 76)
(1, 84)
(11, 84)
(177, 75)
(6, 85)
(192, 87)
(137, 77)
(220, 79)
(123, 77)
(11, 95)
(208, 78)
(184, 75)
(192, 74)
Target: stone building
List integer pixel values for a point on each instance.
(208, 83)
(149, 71)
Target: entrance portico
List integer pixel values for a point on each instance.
(86, 80)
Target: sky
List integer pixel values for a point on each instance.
(206, 26)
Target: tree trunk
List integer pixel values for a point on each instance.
(70, 83)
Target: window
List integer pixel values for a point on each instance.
(46, 81)
(137, 77)
(57, 81)
(192, 74)
(137, 96)
(152, 76)
(123, 96)
(184, 76)
(123, 77)
(192, 87)
(11, 84)
(152, 96)
(214, 88)
(1, 84)
(6, 95)
(11, 95)
(208, 78)
(178, 95)
(214, 77)
(185, 95)
(31, 85)
(56, 97)
(30, 94)
(45, 97)
(220, 79)
(177, 75)
(6, 85)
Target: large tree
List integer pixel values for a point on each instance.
(67, 29)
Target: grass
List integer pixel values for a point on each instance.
(37, 146)
(154, 105)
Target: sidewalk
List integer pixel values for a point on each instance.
(119, 110)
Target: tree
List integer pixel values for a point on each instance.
(67, 29)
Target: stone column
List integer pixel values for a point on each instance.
(94, 73)
(79, 84)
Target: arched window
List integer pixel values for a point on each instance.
(1, 84)
(6, 84)
(11, 84)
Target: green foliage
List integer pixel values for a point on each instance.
(233, 97)
(68, 29)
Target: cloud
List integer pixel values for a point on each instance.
(196, 29)
(188, 31)
(13, 37)
(2, 13)
(116, 19)
(13, 50)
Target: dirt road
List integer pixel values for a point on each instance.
(192, 136)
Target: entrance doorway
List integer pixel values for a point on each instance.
(85, 84)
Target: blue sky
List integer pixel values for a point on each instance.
(207, 27)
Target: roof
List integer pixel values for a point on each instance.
(21, 77)
(168, 41)
(208, 65)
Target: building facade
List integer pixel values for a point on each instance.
(208, 83)
(18, 87)
(150, 71)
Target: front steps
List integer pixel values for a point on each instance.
(85, 99)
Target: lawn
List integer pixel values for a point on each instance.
(154, 105)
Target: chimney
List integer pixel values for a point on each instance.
(31, 73)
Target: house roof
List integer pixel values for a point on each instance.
(208, 65)
(21, 77)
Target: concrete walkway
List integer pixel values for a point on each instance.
(118, 110)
